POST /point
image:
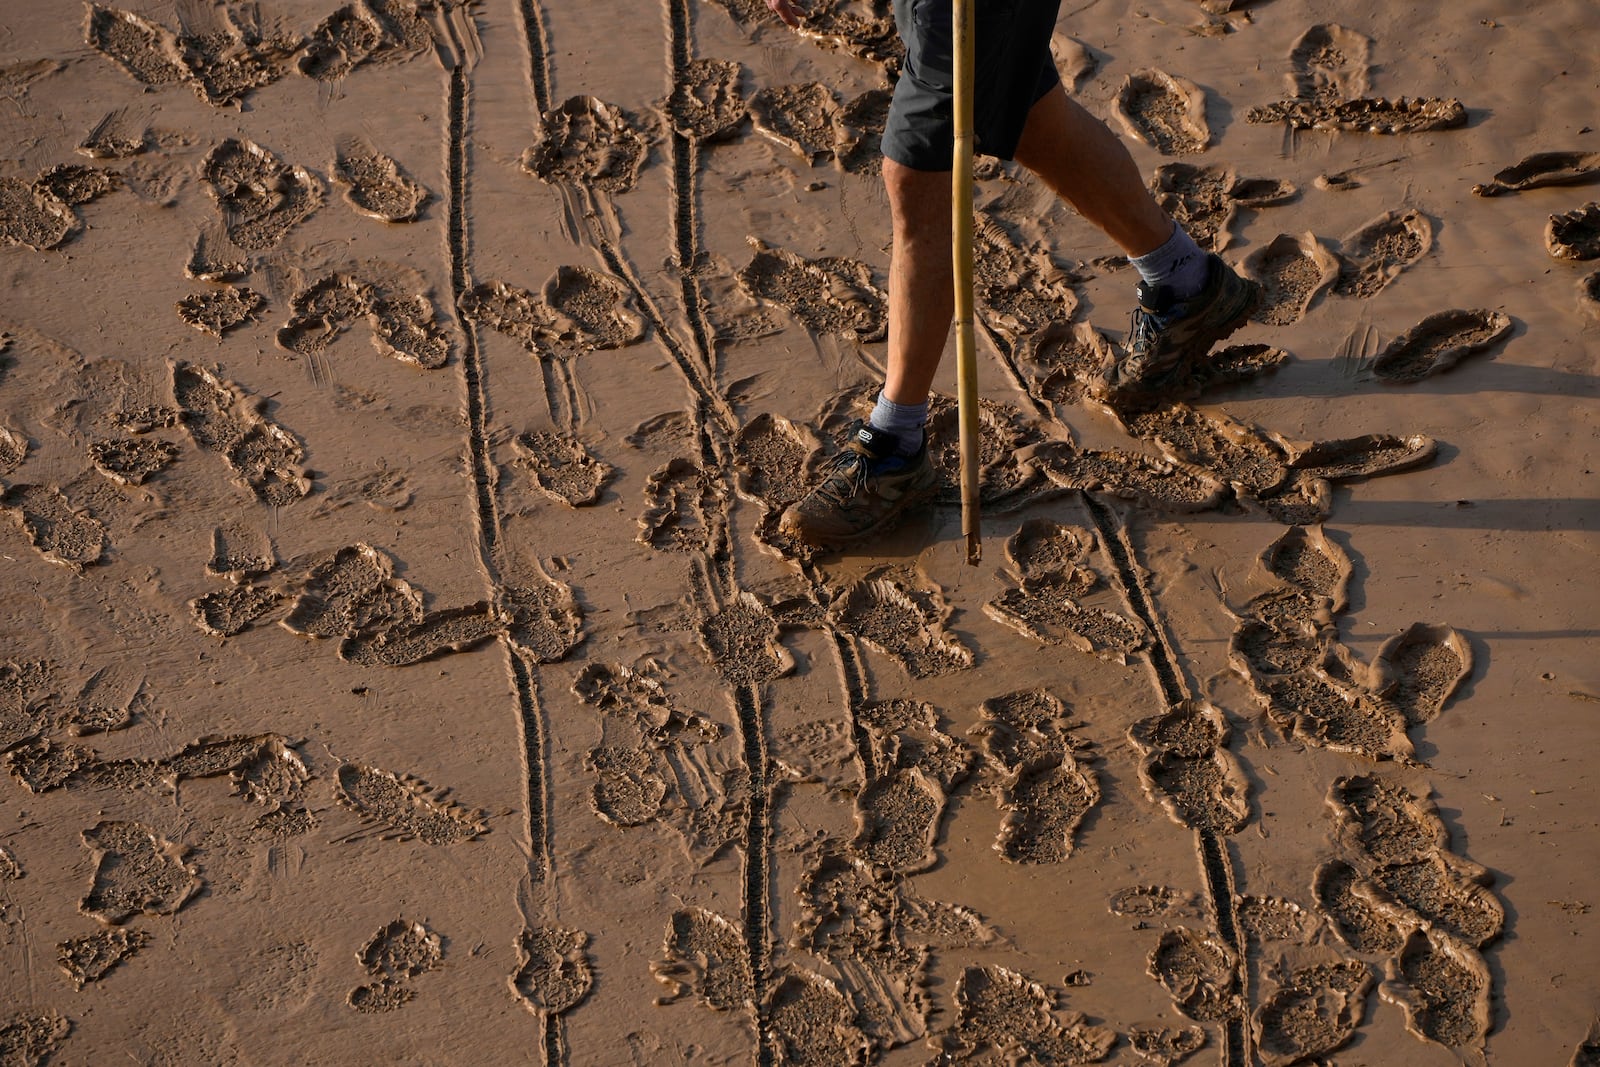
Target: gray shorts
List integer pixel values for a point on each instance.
(1014, 69)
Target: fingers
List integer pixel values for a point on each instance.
(786, 11)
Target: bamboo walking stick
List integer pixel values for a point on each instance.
(961, 219)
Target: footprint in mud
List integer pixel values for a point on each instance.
(1046, 610)
(1309, 560)
(1004, 1016)
(1381, 821)
(324, 309)
(877, 934)
(1005, 483)
(1364, 919)
(119, 135)
(1543, 168)
(374, 183)
(1160, 485)
(554, 973)
(1238, 363)
(42, 765)
(1167, 1046)
(546, 622)
(34, 217)
(841, 26)
(811, 1022)
(90, 958)
(261, 198)
(1420, 669)
(220, 417)
(32, 1039)
(1314, 1011)
(340, 43)
(685, 509)
(399, 952)
(1150, 902)
(1203, 791)
(1043, 546)
(62, 533)
(1310, 707)
(1019, 289)
(1292, 271)
(513, 311)
(905, 624)
(1448, 894)
(231, 611)
(897, 820)
(1276, 919)
(216, 311)
(375, 31)
(705, 955)
(1329, 63)
(400, 643)
(132, 460)
(910, 766)
(1240, 455)
(407, 807)
(1363, 457)
(832, 295)
(593, 311)
(74, 183)
(1200, 972)
(1365, 115)
(706, 104)
(146, 50)
(1197, 197)
(655, 760)
(1167, 113)
(1438, 343)
(592, 144)
(27, 702)
(769, 455)
(1304, 500)
(1443, 987)
(226, 55)
(802, 118)
(1374, 255)
(406, 327)
(742, 642)
(1575, 234)
(350, 591)
(860, 132)
(1046, 787)
(561, 467)
(137, 872)
(1062, 364)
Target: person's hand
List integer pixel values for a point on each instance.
(786, 11)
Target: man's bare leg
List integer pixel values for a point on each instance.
(921, 279)
(1090, 168)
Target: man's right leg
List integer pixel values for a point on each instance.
(885, 468)
(1189, 299)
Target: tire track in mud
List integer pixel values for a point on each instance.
(1213, 852)
(530, 715)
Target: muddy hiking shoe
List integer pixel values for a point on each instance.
(1171, 337)
(863, 490)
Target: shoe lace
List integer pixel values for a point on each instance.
(847, 476)
(1143, 334)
